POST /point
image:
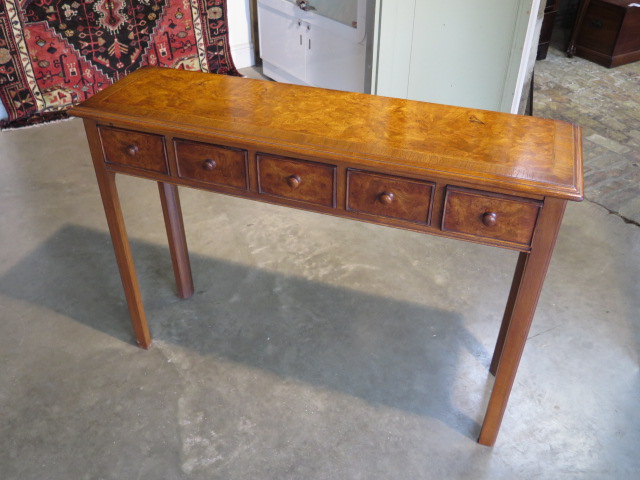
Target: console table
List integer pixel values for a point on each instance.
(486, 177)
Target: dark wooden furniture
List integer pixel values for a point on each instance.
(550, 11)
(474, 175)
(607, 32)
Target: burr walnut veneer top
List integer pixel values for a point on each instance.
(537, 156)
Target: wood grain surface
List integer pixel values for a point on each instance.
(495, 149)
(389, 196)
(135, 149)
(212, 164)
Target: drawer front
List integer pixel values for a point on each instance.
(309, 182)
(389, 196)
(134, 149)
(500, 217)
(600, 28)
(212, 164)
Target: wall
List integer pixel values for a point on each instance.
(239, 16)
(467, 53)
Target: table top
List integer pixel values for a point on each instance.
(526, 154)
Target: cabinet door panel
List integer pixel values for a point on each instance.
(282, 41)
(333, 61)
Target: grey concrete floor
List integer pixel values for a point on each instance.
(314, 347)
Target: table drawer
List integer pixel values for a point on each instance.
(212, 164)
(389, 196)
(134, 149)
(490, 215)
(301, 180)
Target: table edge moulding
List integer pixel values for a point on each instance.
(487, 177)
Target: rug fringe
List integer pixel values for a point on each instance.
(11, 128)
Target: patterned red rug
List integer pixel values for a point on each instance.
(56, 53)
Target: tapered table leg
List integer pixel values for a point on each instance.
(111, 202)
(177, 239)
(508, 312)
(529, 285)
(115, 221)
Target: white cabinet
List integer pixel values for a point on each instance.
(306, 48)
(467, 53)
(334, 62)
(282, 44)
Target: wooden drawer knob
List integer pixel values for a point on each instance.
(490, 219)
(294, 181)
(132, 150)
(386, 198)
(209, 164)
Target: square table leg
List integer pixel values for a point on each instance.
(530, 274)
(177, 239)
(508, 312)
(118, 232)
(111, 202)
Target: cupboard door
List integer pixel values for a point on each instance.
(282, 41)
(334, 61)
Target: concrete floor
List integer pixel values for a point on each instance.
(314, 348)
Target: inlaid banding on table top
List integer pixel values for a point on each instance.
(433, 137)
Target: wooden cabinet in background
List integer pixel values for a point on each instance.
(608, 32)
(550, 11)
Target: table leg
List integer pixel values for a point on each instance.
(177, 239)
(524, 301)
(115, 220)
(577, 25)
(508, 312)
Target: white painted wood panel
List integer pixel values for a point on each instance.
(466, 53)
(240, 40)
(282, 42)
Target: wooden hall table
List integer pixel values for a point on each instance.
(486, 177)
